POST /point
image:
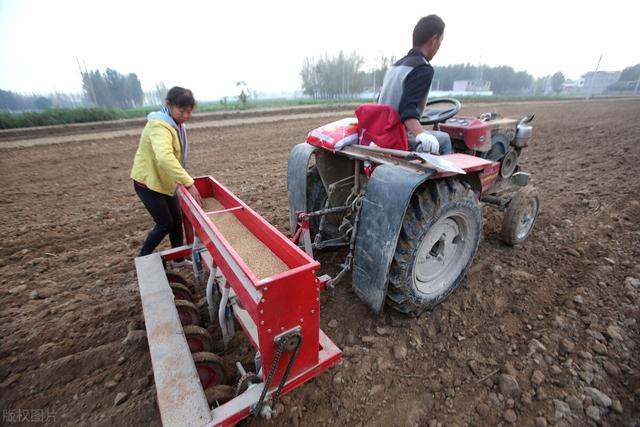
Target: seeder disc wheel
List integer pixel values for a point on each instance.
(219, 394)
(177, 278)
(210, 369)
(198, 339)
(181, 292)
(187, 312)
(203, 310)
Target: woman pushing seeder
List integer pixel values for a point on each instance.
(160, 165)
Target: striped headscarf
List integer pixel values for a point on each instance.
(182, 134)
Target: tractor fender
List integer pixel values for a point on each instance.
(384, 204)
(297, 169)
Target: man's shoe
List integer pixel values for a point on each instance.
(177, 265)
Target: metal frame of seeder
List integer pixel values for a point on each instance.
(279, 314)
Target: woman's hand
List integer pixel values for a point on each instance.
(195, 194)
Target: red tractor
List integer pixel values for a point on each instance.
(411, 221)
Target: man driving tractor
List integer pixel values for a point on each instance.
(406, 87)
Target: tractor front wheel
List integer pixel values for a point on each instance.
(437, 243)
(520, 216)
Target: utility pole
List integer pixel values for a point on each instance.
(92, 92)
(348, 74)
(374, 81)
(595, 75)
(342, 77)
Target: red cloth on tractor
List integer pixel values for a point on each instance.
(380, 124)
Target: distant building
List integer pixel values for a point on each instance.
(464, 88)
(597, 82)
(591, 82)
(471, 86)
(572, 86)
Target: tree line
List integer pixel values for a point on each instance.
(504, 80)
(343, 76)
(99, 89)
(112, 88)
(328, 77)
(11, 101)
(629, 80)
(333, 77)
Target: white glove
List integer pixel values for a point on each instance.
(427, 143)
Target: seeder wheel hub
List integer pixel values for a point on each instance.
(208, 376)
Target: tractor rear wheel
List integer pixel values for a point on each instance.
(438, 241)
(520, 216)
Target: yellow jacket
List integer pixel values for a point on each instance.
(158, 161)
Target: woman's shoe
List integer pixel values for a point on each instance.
(177, 265)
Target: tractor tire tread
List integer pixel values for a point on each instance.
(426, 204)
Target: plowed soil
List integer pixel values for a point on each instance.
(545, 333)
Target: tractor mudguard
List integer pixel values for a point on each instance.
(297, 169)
(385, 202)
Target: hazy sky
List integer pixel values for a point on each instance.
(207, 45)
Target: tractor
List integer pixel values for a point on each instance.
(410, 222)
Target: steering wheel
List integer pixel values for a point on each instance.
(432, 116)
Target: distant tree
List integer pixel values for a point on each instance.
(156, 95)
(134, 91)
(42, 103)
(161, 90)
(630, 74)
(375, 77)
(540, 85)
(95, 88)
(504, 79)
(68, 100)
(628, 81)
(333, 77)
(116, 88)
(557, 80)
(112, 89)
(310, 78)
(11, 101)
(341, 75)
(243, 96)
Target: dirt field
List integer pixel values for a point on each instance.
(543, 334)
